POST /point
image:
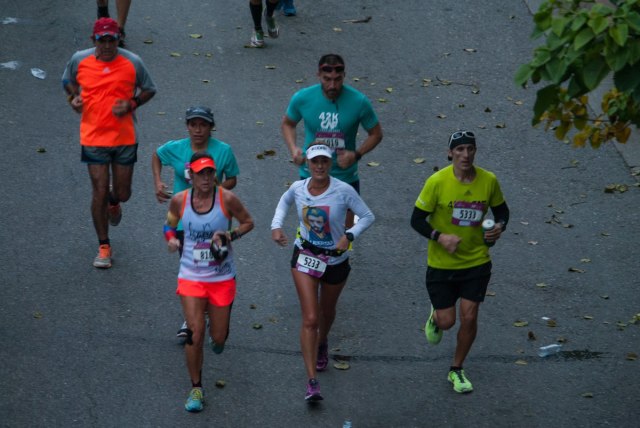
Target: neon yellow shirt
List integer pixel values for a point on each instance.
(459, 208)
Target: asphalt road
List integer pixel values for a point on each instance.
(90, 348)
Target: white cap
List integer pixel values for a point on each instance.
(318, 150)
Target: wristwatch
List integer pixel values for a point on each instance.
(349, 236)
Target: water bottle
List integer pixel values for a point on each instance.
(487, 225)
(545, 351)
(347, 424)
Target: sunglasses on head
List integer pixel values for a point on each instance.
(460, 134)
(330, 68)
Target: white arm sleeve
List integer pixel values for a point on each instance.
(283, 208)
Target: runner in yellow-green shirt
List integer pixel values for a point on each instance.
(449, 212)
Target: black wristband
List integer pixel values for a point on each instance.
(235, 234)
(435, 235)
(137, 100)
(358, 155)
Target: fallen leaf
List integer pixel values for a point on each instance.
(526, 223)
(356, 79)
(490, 293)
(37, 315)
(605, 234)
(460, 105)
(531, 336)
(252, 306)
(220, 383)
(469, 50)
(532, 242)
(270, 67)
(389, 90)
(518, 103)
(501, 125)
(441, 116)
(521, 362)
(605, 297)
(260, 156)
(195, 36)
(341, 365)
(175, 54)
(148, 42)
(208, 55)
(418, 160)
(337, 29)
(561, 340)
(161, 113)
(487, 110)
(552, 323)
(373, 164)
(520, 323)
(631, 356)
(196, 53)
(382, 100)
(205, 80)
(269, 152)
(475, 91)
(299, 80)
(585, 260)
(541, 285)
(587, 395)
(257, 326)
(587, 317)
(482, 126)
(572, 269)
(411, 121)
(41, 150)
(259, 122)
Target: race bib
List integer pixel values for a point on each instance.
(202, 254)
(335, 140)
(467, 213)
(311, 264)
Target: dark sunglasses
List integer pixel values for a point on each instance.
(331, 68)
(460, 134)
(107, 38)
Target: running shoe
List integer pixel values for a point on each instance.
(115, 214)
(195, 401)
(431, 330)
(272, 26)
(313, 391)
(460, 382)
(323, 357)
(257, 39)
(288, 8)
(183, 330)
(103, 259)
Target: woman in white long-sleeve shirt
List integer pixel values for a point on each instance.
(320, 262)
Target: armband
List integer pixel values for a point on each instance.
(235, 234)
(169, 232)
(435, 235)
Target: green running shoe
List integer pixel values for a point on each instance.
(460, 382)
(195, 402)
(431, 330)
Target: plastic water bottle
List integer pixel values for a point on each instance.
(347, 424)
(487, 225)
(545, 351)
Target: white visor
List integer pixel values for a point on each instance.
(318, 150)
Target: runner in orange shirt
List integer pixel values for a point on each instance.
(106, 85)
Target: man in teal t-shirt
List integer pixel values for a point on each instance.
(332, 113)
(177, 154)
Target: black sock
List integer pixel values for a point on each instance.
(455, 368)
(103, 12)
(256, 14)
(104, 241)
(199, 383)
(112, 200)
(271, 7)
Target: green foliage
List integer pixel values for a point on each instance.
(586, 41)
